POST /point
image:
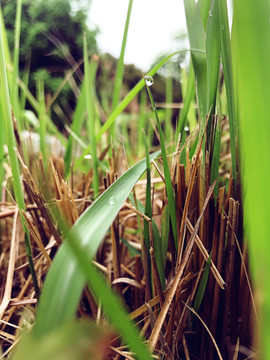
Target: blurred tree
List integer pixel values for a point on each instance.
(51, 38)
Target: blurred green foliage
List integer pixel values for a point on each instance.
(51, 40)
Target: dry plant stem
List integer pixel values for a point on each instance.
(154, 267)
(185, 347)
(232, 230)
(31, 186)
(11, 265)
(190, 187)
(211, 336)
(205, 255)
(35, 234)
(179, 272)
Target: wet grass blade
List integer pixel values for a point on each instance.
(252, 53)
(167, 174)
(189, 97)
(64, 282)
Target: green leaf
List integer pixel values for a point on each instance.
(251, 54)
(212, 58)
(202, 286)
(167, 174)
(228, 77)
(65, 280)
(197, 41)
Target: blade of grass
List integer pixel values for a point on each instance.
(16, 51)
(110, 302)
(251, 53)
(65, 280)
(228, 77)
(189, 96)
(202, 286)
(168, 111)
(197, 40)
(10, 139)
(148, 212)
(147, 209)
(90, 74)
(42, 118)
(167, 175)
(212, 59)
(120, 64)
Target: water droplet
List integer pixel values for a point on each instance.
(112, 200)
(186, 128)
(87, 156)
(222, 27)
(210, 13)
(149, 80)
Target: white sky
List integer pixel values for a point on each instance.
(152, 29)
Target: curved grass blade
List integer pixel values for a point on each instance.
(64, 282)
(108, 299)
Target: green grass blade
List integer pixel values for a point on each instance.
(148, 202)
(110, 302)
(188, 97)
(216, 155)
(204, 6)
(42, 118)
(64, 282)
(197, 41)
(168, 111)
(5, 43)
(228, 77)
(252, 53)
(90, 75)
(76, 126)
(212, 59)
(16, 51)
(141, 120)
(10, 140)
(120, 64)
(202, 286)
(167, 174)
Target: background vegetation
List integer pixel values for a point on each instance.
(171, 251)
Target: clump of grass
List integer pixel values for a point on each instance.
(165, 252)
